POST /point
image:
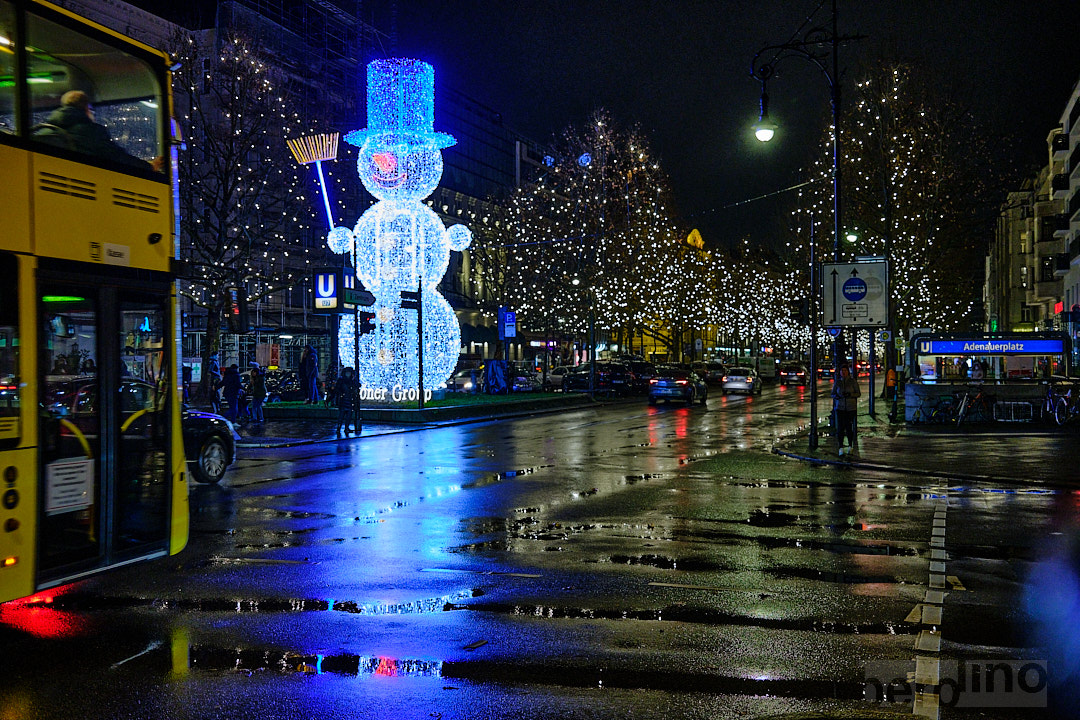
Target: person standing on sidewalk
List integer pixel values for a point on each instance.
(258, 392)
(345, 397)
(845, 394)
(232, 387)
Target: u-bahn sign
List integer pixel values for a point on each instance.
(855, 294)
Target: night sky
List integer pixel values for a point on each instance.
(680, 69)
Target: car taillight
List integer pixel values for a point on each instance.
(723, 379)
(652, 381)
(680, 382)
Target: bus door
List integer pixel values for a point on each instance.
(104, 426)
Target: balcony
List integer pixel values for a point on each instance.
(1074, 249)
(1053, 226)
(1060, 146)
(1048, 289)
(1061, 265)
(1059, 184)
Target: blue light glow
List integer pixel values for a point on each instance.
(585, 160)
(399, 244)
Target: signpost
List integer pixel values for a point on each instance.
(856, 294)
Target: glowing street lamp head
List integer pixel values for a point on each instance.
(765, 128)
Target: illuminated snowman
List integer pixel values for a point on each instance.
(399, 243)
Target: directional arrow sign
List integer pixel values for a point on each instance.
(856, 294)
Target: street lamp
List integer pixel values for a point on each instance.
(819, 45)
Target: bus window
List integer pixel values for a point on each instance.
(91, 98)
(9, 346)
(7, 68)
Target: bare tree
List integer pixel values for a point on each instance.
(242, 197)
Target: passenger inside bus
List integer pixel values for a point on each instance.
(73, 126)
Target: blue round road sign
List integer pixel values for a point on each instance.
(854, 289)
(833, 331)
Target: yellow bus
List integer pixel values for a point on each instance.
(92, 472)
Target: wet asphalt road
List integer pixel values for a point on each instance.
(622, 561)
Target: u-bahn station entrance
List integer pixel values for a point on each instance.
(1012, 370)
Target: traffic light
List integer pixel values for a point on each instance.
(365, 323)
(236, 311)
(800, 310)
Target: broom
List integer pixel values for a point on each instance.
(315, 149)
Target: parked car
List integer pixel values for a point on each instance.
(525, 381)
(673, 383)
(611, 377)
(643, 371)
(209, 439)
(711, 371)
(209, 444)
(741, 379)
(793, 374)
(555, 377)
(466, 380)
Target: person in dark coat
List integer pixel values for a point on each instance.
(345, 398)
(72, 126)
(232, 386)
(257, 383)
(309, 374)
(213, 373)
(845, 394)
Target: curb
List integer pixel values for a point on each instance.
(417, 427)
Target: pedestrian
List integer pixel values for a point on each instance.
(309, 374)
(232, 387)
(213, 380)
(978, 371)
(890, 383)
(258, 392)
(345, 397)
(845, 394)
(185, 378)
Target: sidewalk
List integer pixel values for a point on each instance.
(987, 452)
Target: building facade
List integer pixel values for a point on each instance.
(1033, 267)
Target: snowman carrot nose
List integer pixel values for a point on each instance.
(386, 162)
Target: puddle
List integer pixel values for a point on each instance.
(695, 615)
(250, 661)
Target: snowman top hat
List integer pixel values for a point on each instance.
(401, 101)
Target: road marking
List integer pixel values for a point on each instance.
(937, 541)
(937, 554)
(481, 572)
(936, 566)
(927, 670)
(931, 615)
(935, 597)
(915, 615)
(955, 582)
(149, 648)
(928, 641)
(927, 705)
(939, 531)
(939, 522)
(937, 581)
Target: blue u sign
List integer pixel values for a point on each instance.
(854, 289)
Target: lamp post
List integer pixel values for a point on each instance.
(820, 45)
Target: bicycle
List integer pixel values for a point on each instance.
(943, 411)
(1066, 406)
(980, 406)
